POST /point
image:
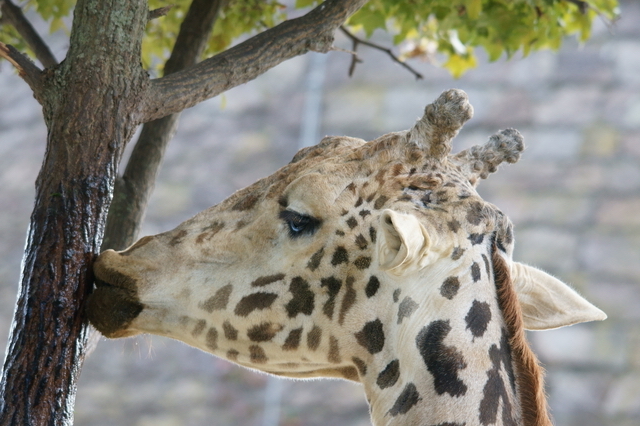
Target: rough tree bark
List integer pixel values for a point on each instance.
(92, 103)
(88, 104)
(133, 189)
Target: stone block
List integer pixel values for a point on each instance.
(633, 336)
(583, 64)
(354, 108)
(513, 108)
(549, 248)
(623, 397)
(542, 209)
(403, 105)
(288, 76)
(631, 117)
(553, 143)
(627, 25)
(620, 108)
(574, 394)
(600, 140)
(169, 200)
(600, 345)
(613, 255)
(620, 213)
(529, 174)
(582, 178)
(619, 300)
(569, 105)
(532, 71)
(630, 142)
(470, 136)
(627, 63)
(623, 176)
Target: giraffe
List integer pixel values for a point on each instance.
(376, 262)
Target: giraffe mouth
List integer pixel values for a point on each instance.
(114, 304)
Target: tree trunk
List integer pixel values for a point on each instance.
(88, 106)
(92, 103)
(133, 189)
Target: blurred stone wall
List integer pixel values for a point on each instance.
(574, 199)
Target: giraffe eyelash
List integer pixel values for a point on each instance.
(299, 224)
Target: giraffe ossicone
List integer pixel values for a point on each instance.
(376, 262)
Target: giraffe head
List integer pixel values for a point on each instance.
(372, 261)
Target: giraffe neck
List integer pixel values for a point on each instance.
(457, 371)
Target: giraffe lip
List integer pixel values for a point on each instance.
(111, 308)
(102, 283)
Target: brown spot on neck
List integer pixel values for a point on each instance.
(315, 260)
(266, 280)
(247, 202)
(177, 239)
(218, 301)
(348, 300)
(209, 232)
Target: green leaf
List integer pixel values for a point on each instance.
(494, 50)
(498, 26)
(306, 3)
(474, 7)
(459, 64)
(56, 24)
(370, 20)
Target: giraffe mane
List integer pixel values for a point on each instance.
(529, 373)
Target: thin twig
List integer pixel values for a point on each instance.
(161, 11)
(243, 62)
(584, 7)
(12, 14)
(356, 41)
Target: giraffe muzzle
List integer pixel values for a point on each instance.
(114, 303)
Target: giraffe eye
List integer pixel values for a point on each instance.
(299, 224)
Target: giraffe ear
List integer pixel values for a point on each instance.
(403, 242)
(549, 303)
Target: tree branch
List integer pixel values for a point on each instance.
(161, 11)
(245, 61)
(13, 15)
(29, 72)
(357, 41)
(132, 190)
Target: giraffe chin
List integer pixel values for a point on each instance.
(112, 309)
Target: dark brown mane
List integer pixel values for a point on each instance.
(529, 374)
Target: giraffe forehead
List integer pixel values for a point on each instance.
(435, 186)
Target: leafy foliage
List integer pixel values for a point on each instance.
(442, 31)
(454, 29)
(236, 18)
